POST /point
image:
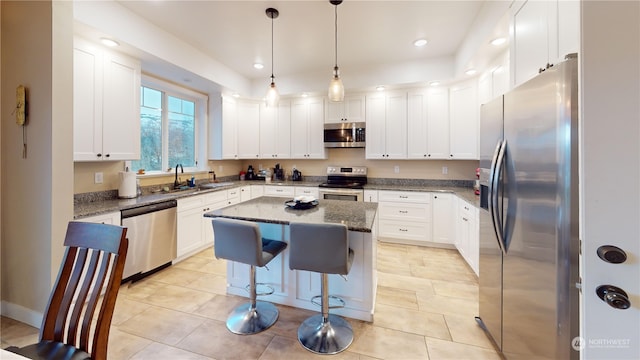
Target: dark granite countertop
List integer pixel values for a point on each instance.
(91, 208)
(358, 216)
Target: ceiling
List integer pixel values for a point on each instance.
(238, 33)
(371, 34)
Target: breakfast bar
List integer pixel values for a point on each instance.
(296, 288)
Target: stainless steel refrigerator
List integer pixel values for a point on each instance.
(529, 217)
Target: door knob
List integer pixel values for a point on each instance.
(612, 254)
(614, 296)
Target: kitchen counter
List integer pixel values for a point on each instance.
(91, 208)
(358, 216)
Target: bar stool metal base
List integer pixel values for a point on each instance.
(244, 320)
(325, 337)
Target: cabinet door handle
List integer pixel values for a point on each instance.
(403, 230)
(465, 219)
(403, 196)
(99, 155)
(403, 211)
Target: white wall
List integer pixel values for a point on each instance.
(610, 173)
(37, 197)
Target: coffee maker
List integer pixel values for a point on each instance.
(250, 175)
(278, 173)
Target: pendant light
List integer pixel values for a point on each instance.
(336, 89)
(272, 94)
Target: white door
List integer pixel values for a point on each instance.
(610, 178)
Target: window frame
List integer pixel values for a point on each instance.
(200, 118)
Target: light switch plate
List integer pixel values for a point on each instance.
(97, 178)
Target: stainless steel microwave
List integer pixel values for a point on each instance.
(344, 135)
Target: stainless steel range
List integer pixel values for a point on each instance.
(344, 183)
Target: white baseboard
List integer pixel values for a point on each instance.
(21, 314)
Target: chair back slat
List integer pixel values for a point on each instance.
(100, 277)
(95, 255)
(70, 291)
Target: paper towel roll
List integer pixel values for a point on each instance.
(127, 188)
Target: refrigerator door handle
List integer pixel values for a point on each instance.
(494, 192)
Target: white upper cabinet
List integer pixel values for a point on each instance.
(386, 126)
(428, 124)
(542, 33)
(229, 128)
(275, 130)
(106, 106)
(464, 121)
(248, 129)
(352, 109)
(307, 129)
(240, 129)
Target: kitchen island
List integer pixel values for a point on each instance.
(296, 288)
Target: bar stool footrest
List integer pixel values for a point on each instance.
(270, 290)
(341, 303)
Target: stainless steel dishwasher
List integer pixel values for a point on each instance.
(152, 233)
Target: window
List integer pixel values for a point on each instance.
(170, 121)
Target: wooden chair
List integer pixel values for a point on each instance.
(92, 265)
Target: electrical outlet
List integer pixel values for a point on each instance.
(220, 168)
(97, 178)
(396, 169)
(445, 170)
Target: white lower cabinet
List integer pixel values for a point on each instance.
(443, 218)
(195, 231)
(257, 191)
(245, 193)
(467, 233)
(404, 216)
(371, 196)
(112, 218)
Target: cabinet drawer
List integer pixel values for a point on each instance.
(405, 211)
(275, 190)
(404, 196)
(404, 230)
(191, 202)
(307, 191)
(217, 196)
(233, 193)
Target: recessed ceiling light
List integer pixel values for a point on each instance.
(470, 72)
(304, 95)
(420, 42)
(235, 95)
(498, 41)
(434, 83)
(380, 88)
(258, 66)
(109, 42)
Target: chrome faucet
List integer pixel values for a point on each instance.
(176, 184)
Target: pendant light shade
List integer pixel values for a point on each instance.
(336, 89)
(273, 97)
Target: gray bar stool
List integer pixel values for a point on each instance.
(322, 248)
(241, 241)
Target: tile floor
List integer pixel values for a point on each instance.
(426, 302)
